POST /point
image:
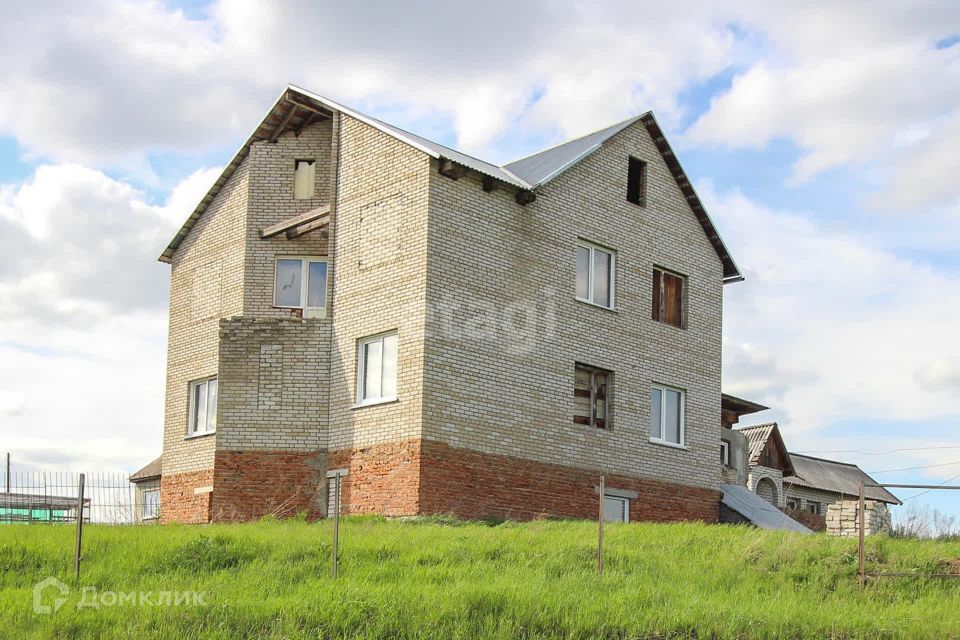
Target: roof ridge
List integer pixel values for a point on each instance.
(756, 426)
(809, 457)
(581, 137)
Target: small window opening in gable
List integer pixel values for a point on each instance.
(667, 297)
(305, 178)
(590, 392)
(637, 182)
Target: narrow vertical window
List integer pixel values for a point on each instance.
(304, 180)
(596, 274)
(667, 297)
(637, 182)
(666, 414)
(203, 407)
(590, 396)
(377, 369)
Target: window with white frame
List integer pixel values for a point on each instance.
(304, 179)
(203, 406)
(377, 369)
(616, 508)
(590, 396)
(813, 507)
(150, 507)
(596, 273)
(301, 283)
(666, 414)
(793, 503)
(725, 452)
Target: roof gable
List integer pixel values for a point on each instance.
(542, 167)
(767, 448)
(297, 108)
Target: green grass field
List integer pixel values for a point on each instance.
(437, 579)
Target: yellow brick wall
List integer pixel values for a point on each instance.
(380, 252)
(505, 328)
(206, 284)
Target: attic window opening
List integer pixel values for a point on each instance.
(305, 178)
(637, 182)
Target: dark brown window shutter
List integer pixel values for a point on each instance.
(657, 277)
(672, 299)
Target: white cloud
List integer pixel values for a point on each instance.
(939, 375)
(83, 316)
(829, 326)
(11, 403)
(99, 82)
(861, 85)
(81, 243)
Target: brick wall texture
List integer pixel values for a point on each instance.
(480, 292)
(184, 497)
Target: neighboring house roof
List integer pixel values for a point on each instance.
(296, 108)
(740, 406)
(150, 472)
(836, 477)
(757, 510)
(759, 437)
(38, 501)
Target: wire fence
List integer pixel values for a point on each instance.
(54, 498)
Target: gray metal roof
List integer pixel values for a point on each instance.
(837, 477)
(430, 147)
(542, 166)
(757, 510)
(525, 174)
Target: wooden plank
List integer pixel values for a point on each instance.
(303, 229)
(295, 221)
(279, 128)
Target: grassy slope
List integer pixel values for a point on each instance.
(431, 580)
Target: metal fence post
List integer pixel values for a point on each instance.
(600, 529)
(76, 558)
(860, 546)
(336, 526)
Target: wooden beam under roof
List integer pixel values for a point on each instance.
(303, 229)
(283, 123)
(323, 211)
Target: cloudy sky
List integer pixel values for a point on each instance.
(822, 137)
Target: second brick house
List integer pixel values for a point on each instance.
(445, 334)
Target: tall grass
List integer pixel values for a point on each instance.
(473, 580)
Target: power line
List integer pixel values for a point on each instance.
(929, 466)
(878, 453)
(917, 495)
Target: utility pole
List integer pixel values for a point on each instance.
(8, 473)
(600, 528)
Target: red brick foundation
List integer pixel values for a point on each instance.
(413, 478)
(475, 485)
(179, 501)
(383, 480)
(251, 484)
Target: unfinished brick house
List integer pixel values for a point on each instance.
(445, 334)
